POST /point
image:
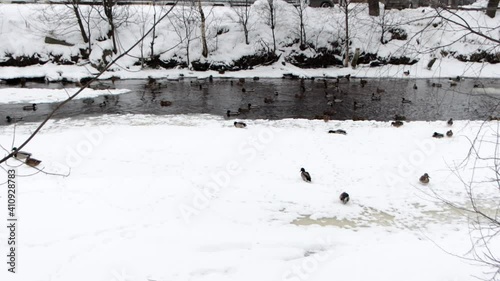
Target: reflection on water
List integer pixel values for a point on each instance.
(468, 99)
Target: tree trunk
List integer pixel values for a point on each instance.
(346, 61)
(204, 52)
(154, 32)
(108, 11)
(245, 29)
(271, 14)
(80, 22)
(491, 9)
(373, 8)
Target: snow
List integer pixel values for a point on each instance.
(226, 41)
(190, 197)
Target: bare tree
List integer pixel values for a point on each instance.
(108, 12)
(75, 5)
(269, 13)
(183, 22)
(300, 9)
(481, 211)
(204, 51)
(243, 14)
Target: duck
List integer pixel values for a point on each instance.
(20, 154)
(376, 98)
(437, 135)
(424, 179)
(240, 124)
(363, 82)
(229, 113)
(449, 133)
(344, 197)
(30, 107)
(415, 86)
(357, 105)
(453, 84)
(251, 106)
(403, 100)
(437, 85)
(305, 175)
(32, 162)
(406, 73)
(397, 123)
(13, 119)
(165, 103)
(338, 131)
(380, 91)
(450, 122)
(103, 104)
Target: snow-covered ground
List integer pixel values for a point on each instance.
(23, 29)
(190, 197)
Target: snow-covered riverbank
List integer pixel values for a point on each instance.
(24, 28)
(193, 198)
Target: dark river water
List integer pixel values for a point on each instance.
(467, 99)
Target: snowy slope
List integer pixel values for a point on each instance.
(24, 27)
(193, 198)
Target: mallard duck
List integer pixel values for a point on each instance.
(250, 106)
(363, 82)
(437, 85)
(103, 104)
(30, 107)
(256, 78)
(240, 124)
(21, 154)
(424, 178)
(376, 98)
(406, 73)
(415, 86)
(165, 103)
(344, 197)
(403, 100)
(450, 122)
(305, 175)
(32, 162)
(397, 123)
(229, 113)
(13, 119)
(449, 133)
(437, 135)
(380, 91)
(453, 84)
(338, 131)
